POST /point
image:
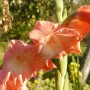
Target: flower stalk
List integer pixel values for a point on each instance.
(61, 70)
(59, 10)
(61, 73)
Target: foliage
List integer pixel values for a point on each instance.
(46, 84)
(25, 14)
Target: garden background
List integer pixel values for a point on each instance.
(25, 13)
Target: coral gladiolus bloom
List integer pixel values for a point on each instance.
(84, 13)
(82, 27)
(82, 21)
(21, 62)
(54, 40)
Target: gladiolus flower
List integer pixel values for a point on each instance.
(54, 40)
(82, 27)
(82, 21)
(21, 62)
(84, 13)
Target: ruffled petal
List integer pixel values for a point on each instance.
(45, 27)
(21, 62)
(61, 40)
(36, 36)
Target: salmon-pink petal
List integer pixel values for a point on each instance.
(3, 79)
(51, 47)
(39, 62)
(20, 64)
(82, 27)
(45, 27)
(16, 47)
(62, 38)
(26, 62)
(71, 44)
(84, 13)
(36, 36)
(14, 84)
(61, 42)
(41, 30)
(55, 40)
(74, 48)
(49, 65)
(69, 39)
(8, 82)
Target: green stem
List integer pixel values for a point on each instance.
(69, 18)
(59, 10)
(61, 64)
(60, 73)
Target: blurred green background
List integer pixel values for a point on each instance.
(25, 14)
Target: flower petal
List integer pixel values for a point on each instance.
(21, 62)
(41, 30)
(45, 27)
(82, 27)
(59, 40)
(84, 13)
(36, 36)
